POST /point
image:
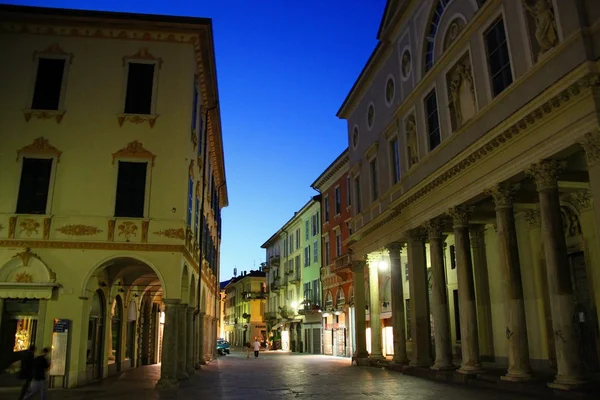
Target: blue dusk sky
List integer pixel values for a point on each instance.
(284, 68)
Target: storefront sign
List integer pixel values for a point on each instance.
(260, 327)
(60, 343)
(330, 327)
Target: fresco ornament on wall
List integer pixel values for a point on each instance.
(29, 226)
(128, 229)
(79, 230)
(412, 151)
(546, 33)
(461, 90)
(24, 277)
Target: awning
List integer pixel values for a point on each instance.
(26, 290)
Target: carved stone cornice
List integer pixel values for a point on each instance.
(591, 145)
(493, 145)
(40, 146)
(460, 216)
(545, 173)
(504, 194)
(582, 200)
(533, 218)
(134, 149)
(416, 235)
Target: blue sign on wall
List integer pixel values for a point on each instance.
(61, 325)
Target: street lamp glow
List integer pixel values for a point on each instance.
(383, 265)
(294, 304)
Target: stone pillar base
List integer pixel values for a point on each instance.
(442, 367)
(517, 376)
(182, 376)
(191, 372)
(470, 369)
(402, 361)
(566, 383)
(197, 365)
(167, 383)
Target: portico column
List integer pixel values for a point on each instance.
(168, 367)
(516, 330)
(182, 342)
(375, 311)
(439, 297)
(200, 339)
(485, 328)
(398, 317)
(361, 355)
(189, 361)
(205, 328)
(545, 174)
(419, 299)
(466, 291)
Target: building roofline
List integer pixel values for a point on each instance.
(297, 214)
(335, 166)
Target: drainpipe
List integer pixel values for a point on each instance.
(218, 268)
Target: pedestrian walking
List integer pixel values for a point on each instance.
(248, 350)
(26, 370)
(256, 347)
(38, 383)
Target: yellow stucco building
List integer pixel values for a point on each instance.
(112, 182)
(474, 164)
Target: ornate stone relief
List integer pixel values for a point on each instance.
(111, 230)
(47, 228)
(12, 226)
(406, 64)
(460, 215)
(412, 149)
(143, 54)
(24, 277)
(571, 224)
(26, 256)
(454, 30)
(542, 25)
(53, 49)
(533, 218)
(137, 119)
(40, 146)
(29, 226)
(545, 173)
(44, 114)
(79, 230)
(461, 92)
(504, 194)
(134, 149)
(581, 200)
(591, 145)
(127, 229)
(145, 226)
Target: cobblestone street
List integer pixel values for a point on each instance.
(277, 376)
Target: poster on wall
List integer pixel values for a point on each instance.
(60, 341)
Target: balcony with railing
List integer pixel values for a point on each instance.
(276, 286)
(342, 266)
(247, 296)
(274, 261)
(270, 315)
(293, 276)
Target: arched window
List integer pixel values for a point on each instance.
(339, 298)
(432, 29)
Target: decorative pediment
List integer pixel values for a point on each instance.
(134, 149)
(55, 50)
(143, 54)
(40, 146)
(27, 267)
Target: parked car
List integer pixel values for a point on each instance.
(222, 347)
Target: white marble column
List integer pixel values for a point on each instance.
(469, 339)
(361, 355)
(182, 347)
(200, 339)
(398, 315)
(516, 330)
(439, 297)
(189, 360)
(419, 299)
(545, 174)
(168, 367)
(375, 310)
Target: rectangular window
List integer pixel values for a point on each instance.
(316, 293)
(316, 251)
(408, 321)
(498, 58)
(298, 238)
(326, 205)
(433, 123)
(307, 256)
(48, 84)
(131, 189)
(348, 192)
(374, 181)
(395, 159)
(297, 263)
(327, 253)
(291, 244)
(285, 248)
(357, 194)
(452, 257)
(406, 272)
(197, 217)
(316, 223)
(140, 83)
(338, 244)
(338, 200)
(34, 186)
(306, 230)
(195, 106)
(190, 201)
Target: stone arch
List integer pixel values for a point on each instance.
(385, 293)
(452, 30)
(108, 260)
(26, 267)
(340, 298)
(438, 22)
(328, 300)
(193, 300)
(185, 285)
(203, 302)
(570, 220)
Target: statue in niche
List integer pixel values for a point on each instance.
(412, 150)
(462, 94)
(406, 65)
(453, 32)
(545, 24)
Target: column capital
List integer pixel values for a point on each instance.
(394, 249)
(591, 144)
(416, 235)
(171, 302)
(504, 194)
(581, 200)
(358, 266)
(477, 234)
(545, 173)
(533, 218)
(435, 227)
(460, 215)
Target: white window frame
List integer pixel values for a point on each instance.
(51, 182)
(392, 161)
(54, 54)
(157, 62)
(147, 189)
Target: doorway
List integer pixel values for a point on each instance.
(585, 319)
(115, 327)
(18, 329)
(95, 339)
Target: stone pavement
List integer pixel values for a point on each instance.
(277, 376)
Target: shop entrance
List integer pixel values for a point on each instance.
(95, 339)
(18, 329)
